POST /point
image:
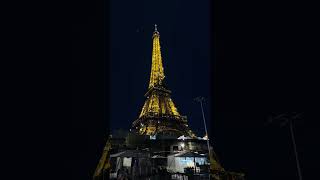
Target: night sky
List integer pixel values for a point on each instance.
(250, 59)
(185, 44)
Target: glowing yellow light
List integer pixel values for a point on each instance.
(158, 102)
(150, 130)
(157, 74)
(155, 103)
(173, 108)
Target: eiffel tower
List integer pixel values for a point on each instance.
(159, 115)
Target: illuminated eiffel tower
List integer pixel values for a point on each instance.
(159, 116)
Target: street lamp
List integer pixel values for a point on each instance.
(289, 119)
(201, 99)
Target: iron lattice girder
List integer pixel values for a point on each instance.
(161, 118)
(177, 124)
(159, 102)
(159, 90)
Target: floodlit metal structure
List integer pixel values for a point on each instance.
(159, 114)
(160, 139)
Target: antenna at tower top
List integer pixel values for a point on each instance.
(155, 27)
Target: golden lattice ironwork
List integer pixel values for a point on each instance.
(104, 163)
(157, 74)
(159, 113)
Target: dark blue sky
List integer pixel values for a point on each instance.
(185, 36)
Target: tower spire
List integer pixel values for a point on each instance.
(157, 73)
(155, 27)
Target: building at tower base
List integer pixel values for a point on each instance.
(139, 157)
